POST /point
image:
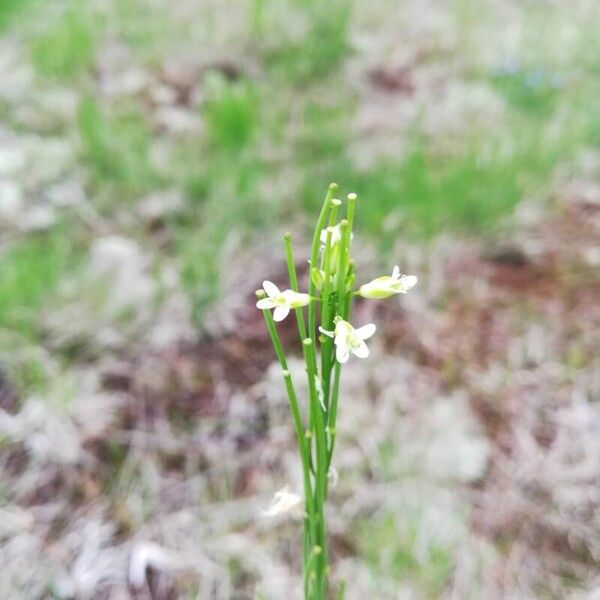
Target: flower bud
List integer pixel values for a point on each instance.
(317, 277)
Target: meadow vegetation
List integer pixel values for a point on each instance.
(194, 133)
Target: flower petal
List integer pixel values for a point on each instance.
(265, 303)
(270, 288)
(396, 272)
(361, 351)
(280, 313)
(407, 282)
(365, 332)
(342, 353)
(325, 332)
(296, 299)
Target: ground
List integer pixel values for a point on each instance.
(152, 155)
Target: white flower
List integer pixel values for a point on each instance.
(386, 286)
(285, 502)
(336, 234)
(349, 340)
(282, 302)
(334, 244)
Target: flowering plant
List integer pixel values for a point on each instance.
(330, 293)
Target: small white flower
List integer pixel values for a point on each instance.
(285, 502)
(386, 286)
(282, 302)
(348, 340)
(336, 234)
(334, 244)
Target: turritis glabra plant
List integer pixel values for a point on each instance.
(326, 348)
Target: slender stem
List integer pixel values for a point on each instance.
(314, 254)
(311, 525)
(308, 534)
(344, 303)
(321, 464)
(351, 210)
(326, 305)
(331, 423)
(291, 267)
(293, 400)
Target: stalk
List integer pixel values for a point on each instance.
(292, 399)
(344, 302)
(316, 442)
(291, 267)
(328, 305)
(314, 255)
(310, 522)
(321, 467)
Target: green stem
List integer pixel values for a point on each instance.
(332, 417)
(311, 525)
(344, 302)
(292, 398)
(314, 254)
(291, 267)
(326, 305)
(321, 464)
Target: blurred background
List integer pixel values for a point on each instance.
(152, 154)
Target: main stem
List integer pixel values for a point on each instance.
(320, 580)
(322, 408)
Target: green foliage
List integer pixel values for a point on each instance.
(230, 112)
(426, 194)
(67, 49)
(223, 200)
(535, 91)
(396, 553)
(31, 270)
(322, 47)
(116, 149)
(471, 191)
(10, 10)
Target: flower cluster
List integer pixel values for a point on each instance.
(331, 289)
(347, 339)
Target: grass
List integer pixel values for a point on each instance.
(10, 11)
(67, 49)
(271, 141)
(31, 271)
(321, 48)
(230, 113)
(223, 173)
(225, 201)
(395, 552)
(302, 109)
(116, 150)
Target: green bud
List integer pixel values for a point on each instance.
(316, 276)
(350, 282)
